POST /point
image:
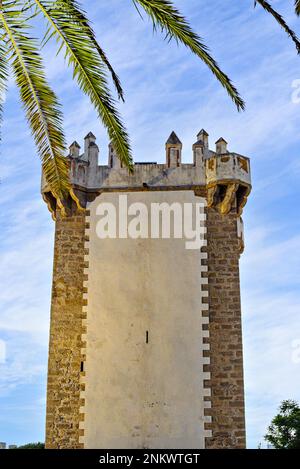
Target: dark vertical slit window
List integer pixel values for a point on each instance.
(147, 337)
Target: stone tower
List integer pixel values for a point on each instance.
(145, 339)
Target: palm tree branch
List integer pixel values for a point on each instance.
(76, 12)
(88, 71)
(297, 7)
(168, 18)
(280, 20)
(3, 78)
(41, 106)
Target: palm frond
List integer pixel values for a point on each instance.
(72, 9)
(280, 20)
(75, 11)
(42, 109)
(297, 7)
(166, 17)
(3, 79)
(87, 69)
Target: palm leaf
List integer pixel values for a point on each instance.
(166, 17)
(266, 6)
(297, 6)
(3, 78)
(39, 101)
(73, 9)
(87, 69)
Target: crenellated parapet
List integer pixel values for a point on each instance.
(222, 176)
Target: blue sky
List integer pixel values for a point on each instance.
(167, 89)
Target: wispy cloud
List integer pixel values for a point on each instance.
(166, 88)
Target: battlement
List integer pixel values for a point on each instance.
(223, 175)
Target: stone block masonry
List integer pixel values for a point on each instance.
(65, 359)
(225, 333)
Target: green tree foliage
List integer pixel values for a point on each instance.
(284, 431)
(38, 445)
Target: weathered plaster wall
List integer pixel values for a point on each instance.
(138, 394)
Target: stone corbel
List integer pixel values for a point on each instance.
(225, 205)
(51, 203)
(225, 195)
(211, 193)
(242, 197)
